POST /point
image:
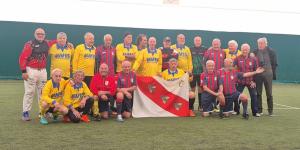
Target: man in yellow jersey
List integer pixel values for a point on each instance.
(232, 51)
(61, 55)
(125, 51)
(84, 57)
(174, 73)
(184, 54)
(184, 62)
(78, 99)
(51, 101)
(149, 60)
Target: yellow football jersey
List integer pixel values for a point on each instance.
(84, 59)
(122, 52)
(148, 62)
(53, 91)
(61, 58)
(74, 93)
(230, 55)
(172, 76)
(184, 58)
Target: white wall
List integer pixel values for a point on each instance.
(265, 16)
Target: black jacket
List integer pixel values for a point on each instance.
(273, 59)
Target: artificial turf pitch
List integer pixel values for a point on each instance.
(280, 132)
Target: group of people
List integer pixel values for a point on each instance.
(100, 81)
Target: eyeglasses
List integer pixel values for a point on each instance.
(40, 33)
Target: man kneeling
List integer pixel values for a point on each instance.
(52, 97)
(78, 98)
(212, 89)
(125, 87)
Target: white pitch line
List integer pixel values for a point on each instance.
(286, 106)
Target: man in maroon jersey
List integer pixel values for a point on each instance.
(106, 53)
(216, 54)
(125, 87)
(167, 53)
(212, 88)
(246, 63)
(229, 77)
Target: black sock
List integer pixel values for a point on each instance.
(245, 105)
(119, 108)
(191, 103)
(199, 100)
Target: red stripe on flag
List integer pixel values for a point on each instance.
(175, 104)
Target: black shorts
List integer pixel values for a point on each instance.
(229, 99)
(195, 81)
(50, 110)
(127, 104)
(207, 101)
(104, 105)
(87, 80)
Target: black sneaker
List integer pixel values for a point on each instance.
(246, 116)
(97, 118)
(221, 115)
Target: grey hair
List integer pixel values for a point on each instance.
(245, 44)
(210, 62)
(263, 39)
(107, 35)
(233, 42)
(88, 34)
(61, 34)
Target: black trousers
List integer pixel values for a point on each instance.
(85, 110)
(266, 80)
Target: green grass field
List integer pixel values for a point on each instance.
(280, 132)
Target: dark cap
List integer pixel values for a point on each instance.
(167, 39)
(126, 34)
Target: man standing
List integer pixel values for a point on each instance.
(126, 86)
(125, 51)
(198, 51)
(103, 87)
(167, 53)
(184, 54)
(216, 54)
(245, 63)
(33, 60)
(61, 55)
(84, 57)
(106, 53)
(149, 60)
(232, 51)
(268, 60)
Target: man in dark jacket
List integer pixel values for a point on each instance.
(268, 60)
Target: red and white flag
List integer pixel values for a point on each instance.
(156, 97)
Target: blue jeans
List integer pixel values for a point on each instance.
(253, 95)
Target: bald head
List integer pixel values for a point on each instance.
(126, 66)
(103, 69)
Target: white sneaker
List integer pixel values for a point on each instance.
(233, 112)
(119, 118)
(257, 115)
